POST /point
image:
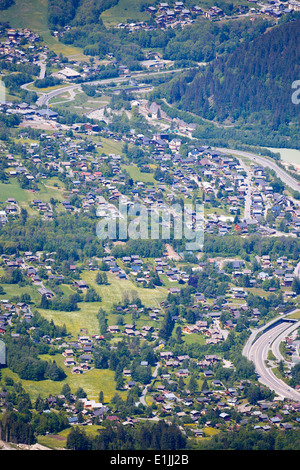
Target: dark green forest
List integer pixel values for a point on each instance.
(80, 12)
(250, 87)
(162, 436)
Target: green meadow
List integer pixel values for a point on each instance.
(33, 15)
(24, 197)
(92, 382)
(123, 11)
(86, 316)
(138, 175)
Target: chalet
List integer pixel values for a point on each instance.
(131, 384)
(163, 6)
(113, 329)
(69, 362)
(191, 329)
(170, 396)
(182, 373)
(208, 373)
(150, 9)
(166, 354)
(44, 291)
(68, 353)
(167, 408)
(81, 284)
(174, 290)
(85, 358)
(195, 414)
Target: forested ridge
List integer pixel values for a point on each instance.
(250, 86)
(80, 12)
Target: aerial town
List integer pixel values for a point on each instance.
(125, 333)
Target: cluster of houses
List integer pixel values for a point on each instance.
(202, 168)
(27, 111)
(8, 310)
(277, 9)
(166, 15)
(221, 398)
(20, 45)
(78, 355)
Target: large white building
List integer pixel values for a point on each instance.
(67, 73)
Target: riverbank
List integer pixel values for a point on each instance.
(289, 157)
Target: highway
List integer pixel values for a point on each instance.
(257, 352)
(276, 343)
(265, 162)
(45, 97)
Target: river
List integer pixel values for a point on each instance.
(288, 155)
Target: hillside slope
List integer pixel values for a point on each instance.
(251, 86)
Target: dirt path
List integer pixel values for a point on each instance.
(172, 253)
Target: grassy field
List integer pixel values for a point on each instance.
(33, 15)
(86, 316)
(295, 315)
(92, 382)
(125, 10)
(25, 197)
(137, 175)
(110, 146)
(11, 291)
(59, 441)
(81, 104)
(113, 292)
(13, 189)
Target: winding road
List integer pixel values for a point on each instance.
(45, 97)
(257, 348)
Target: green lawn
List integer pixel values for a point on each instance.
(13, 189)
(81, 104)
(92, 382)
(113, 292)
(58, 441)
(125, 10)
(86, 316)
(12, 290)
(25, 197)
(137, 175)
(295, 315)
(110, 146)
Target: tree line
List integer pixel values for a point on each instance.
(145, 436)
